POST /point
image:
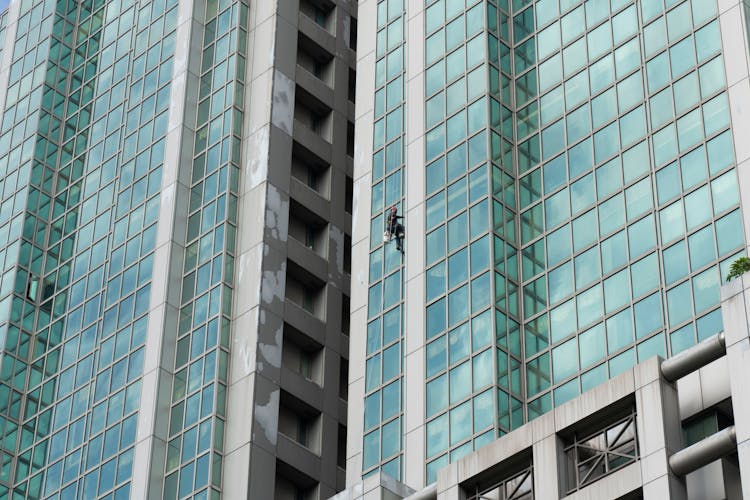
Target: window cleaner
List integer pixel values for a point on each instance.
(394, 229)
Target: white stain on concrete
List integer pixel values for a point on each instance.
(337, 249)
(273, 284)
(277, 213)
(267, 417)
(272, 352)
(282, 111)
(257, 164)
(247, 265)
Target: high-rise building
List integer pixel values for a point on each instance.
(571, 179)
(175, 217)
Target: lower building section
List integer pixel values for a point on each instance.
(676, 428)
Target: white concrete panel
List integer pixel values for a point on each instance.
(414, 395)
(707, 483)
(357, 348)
(733, 40)
(414, 446)
(655, 465)
(365, 80)
(739, 107)
(651, 436)
(546, 478)
(141, 468)
(11, 27)
(715, 382)
(264, 10)
(743, 180)
(258, 112)
(542, 427)
(360, 276)
(361, 200)
(739, 366)
(251, 208)
(355, 417)
(415, 243)
(363, 127)
(691, 397)
(734, 314)
(647, 372)
(415, 43)
(264, 46)
(743, 453)
(664, 487)
(724, 5)
(244, 342)
(239, 423)
(416, 162)
(248, 279)
(236, 469)
(367, 10)
(415, 312)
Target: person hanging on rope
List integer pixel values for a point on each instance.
(394, 228)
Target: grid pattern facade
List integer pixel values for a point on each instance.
(74, 341)
(198, 406)
(460, 355)
(118, 280)
(609, 138)
(581, 203)
(636, 200)
(383, 371)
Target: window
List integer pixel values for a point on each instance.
(593, 456)
(302, 355)
(352, 82)
(704, 425)
(305, 290)
(308, 228)
(312, 113)
(315, 59)
(319, 11)
(310, 170)
(299, 422)
(520, 486)
(353, 33)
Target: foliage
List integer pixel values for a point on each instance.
(738, 268)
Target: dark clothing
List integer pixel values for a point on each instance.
(393, 223)
(395, 229)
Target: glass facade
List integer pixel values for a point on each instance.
(384, 366)
(460, 358)
(198, 406)
(581, 201)
(82, 149)
(83, 143)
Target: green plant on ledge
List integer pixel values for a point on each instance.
(738, 268)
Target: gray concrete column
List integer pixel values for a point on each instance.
(734, 309)
(659, 432)
(549, 467)
(448, 487)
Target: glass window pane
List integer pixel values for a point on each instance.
(648, 315)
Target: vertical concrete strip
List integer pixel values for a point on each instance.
(251, 416)
(365, 91)
(414, 311)
(734, 40)
(150, 448)
(549, 460)
(735, 298)
(9, 44)
(659, 432)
